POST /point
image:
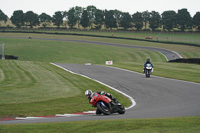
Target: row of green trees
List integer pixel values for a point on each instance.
(96, 18)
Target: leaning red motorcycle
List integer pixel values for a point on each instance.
(105, 105)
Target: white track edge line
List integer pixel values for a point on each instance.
(153, 75)
(177, 54)
(163, 55)
(133, 103)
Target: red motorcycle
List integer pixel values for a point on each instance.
(105, 105)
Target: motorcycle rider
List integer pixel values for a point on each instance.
(147, 62)
(89, 94)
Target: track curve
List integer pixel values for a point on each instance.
(155, 96)
(169, 55)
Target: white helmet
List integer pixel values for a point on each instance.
(88, 93)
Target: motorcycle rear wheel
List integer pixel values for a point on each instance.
(121, 109)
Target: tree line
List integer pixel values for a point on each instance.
(96, 19)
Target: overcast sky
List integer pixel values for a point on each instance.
(131, 6)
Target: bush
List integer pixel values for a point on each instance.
(190, 60)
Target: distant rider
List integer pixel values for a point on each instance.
(147, 62)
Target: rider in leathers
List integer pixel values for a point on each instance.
(147, 62)
(89, 95)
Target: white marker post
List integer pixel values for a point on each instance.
(3, 57)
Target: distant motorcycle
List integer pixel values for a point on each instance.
(148, 70)
(105, 105)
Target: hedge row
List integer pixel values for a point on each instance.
(190, 60)
(10, 57)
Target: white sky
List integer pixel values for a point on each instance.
(131, 6)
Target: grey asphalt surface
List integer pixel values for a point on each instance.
(154, 97)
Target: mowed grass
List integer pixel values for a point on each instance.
(73, 52)
(191, 38)
(38, 88)
(132, 59)
(183, 50)
(32, 82)
(158, 125)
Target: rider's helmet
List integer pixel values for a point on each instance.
(88, 93)
(148, 59)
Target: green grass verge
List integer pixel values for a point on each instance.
(161, 36)
(39, 88)
(29, 81)
(132, 59)
(155, 125)
(184, 51)
(191, 38)
(187, 72)
(73, 52)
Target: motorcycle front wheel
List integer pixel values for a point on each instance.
(148, 73)
(103, 108)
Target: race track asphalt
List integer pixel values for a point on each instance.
(155, 97)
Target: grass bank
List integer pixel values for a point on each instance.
(192, 38)
(155, 125)
(179, 37)
(184, 51)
